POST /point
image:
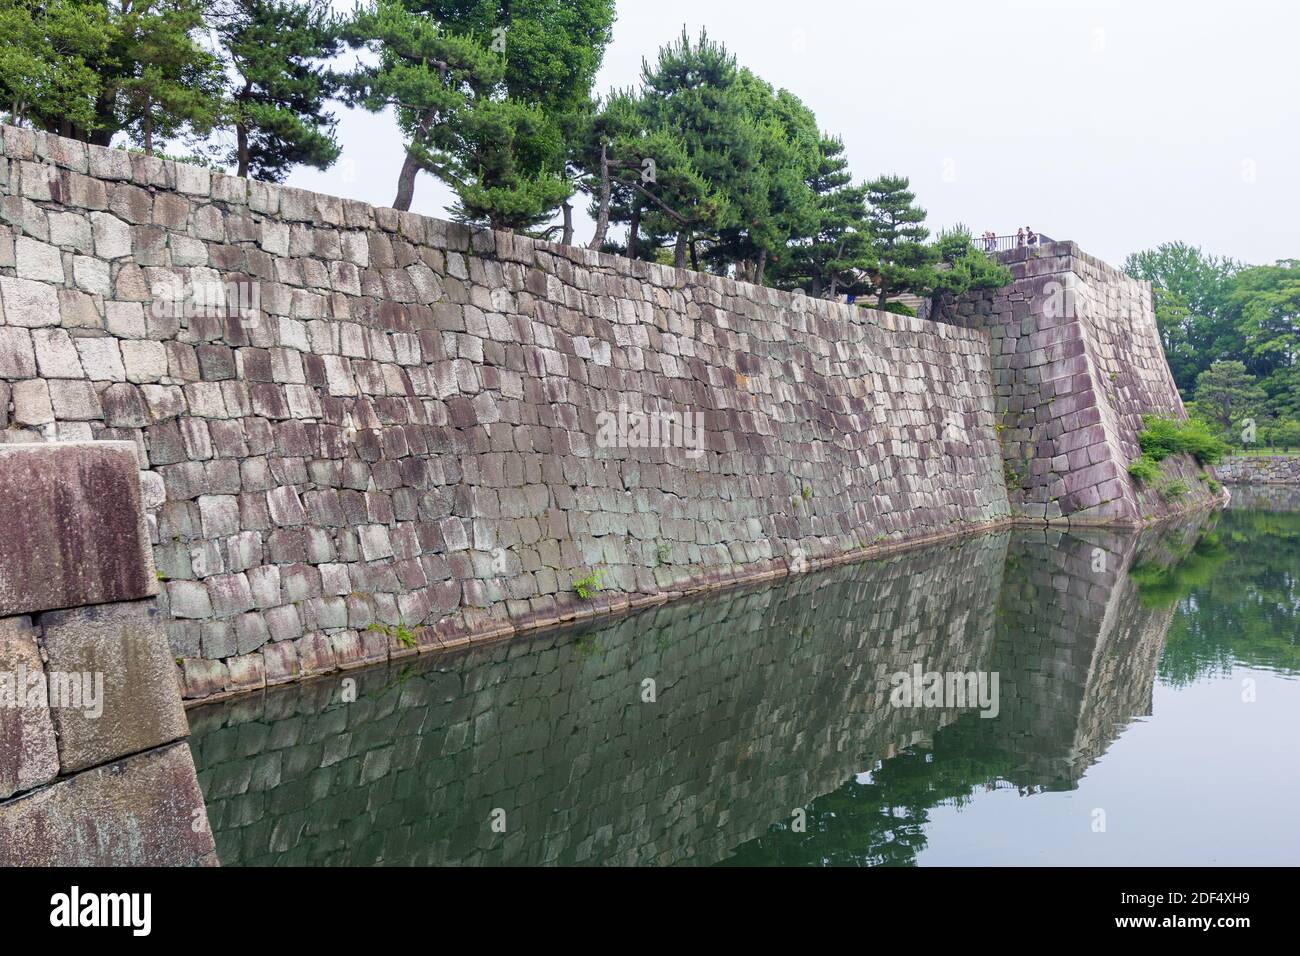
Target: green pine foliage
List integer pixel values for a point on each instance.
(278, 83)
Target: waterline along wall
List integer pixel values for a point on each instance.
(364, 432)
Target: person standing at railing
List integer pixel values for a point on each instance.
(1020, 238)
(1030, 236)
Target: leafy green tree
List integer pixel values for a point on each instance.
(836, 255)
(487, 95)
(1226, 393)
(279, 83)
(904, 262)
(48, 62)
(1263, 303)
(1190, 291)
(772, 200)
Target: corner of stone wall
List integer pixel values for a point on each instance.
(1078, 362)
(94, 767)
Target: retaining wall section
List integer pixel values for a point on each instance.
(1260, 469)
(401, 437)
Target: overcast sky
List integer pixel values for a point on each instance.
(1116, 123)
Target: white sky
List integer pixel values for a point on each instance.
(1117, 123)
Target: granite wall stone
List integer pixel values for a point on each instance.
(94, 770)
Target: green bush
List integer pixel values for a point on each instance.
(1173, 490)
(1162, 437)
(1144, 470)
(589, 585)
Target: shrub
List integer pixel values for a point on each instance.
(1144, 470)
(400, 633)
(1162, 437)
(1173, 490)
(586, 587)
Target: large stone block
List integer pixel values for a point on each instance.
(74, 531)
(146, 810)
(28, 754)
(118, 652)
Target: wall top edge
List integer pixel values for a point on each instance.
(290, 204)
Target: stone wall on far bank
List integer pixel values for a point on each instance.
(1260, 469)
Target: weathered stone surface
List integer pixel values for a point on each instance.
(356, 416)
(28, 754)
(74, 530)
(1261, 469)
(125, 647)
(146, 810)
(1077, 364)
(28, 303)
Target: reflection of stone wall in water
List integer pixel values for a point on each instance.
(1265, 497)
(765, 698)
(1076, 650)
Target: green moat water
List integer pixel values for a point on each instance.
(1148, 706)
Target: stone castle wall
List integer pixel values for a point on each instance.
(407, 430)
(360, 430)
(1077, 364)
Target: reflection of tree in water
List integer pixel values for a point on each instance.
(879, 819)
(1239, 598)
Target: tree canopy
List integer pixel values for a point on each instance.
(1231, 333)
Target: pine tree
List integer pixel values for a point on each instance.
(1226, 393)
(834, 258)
(697, 138)
(47, 62)
(276, 99)
(903, 260)
(429, 75)
(131, 66)
(487, 95)
(962, 267)
(771, 197)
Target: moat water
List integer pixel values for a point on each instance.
(1147, 711)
